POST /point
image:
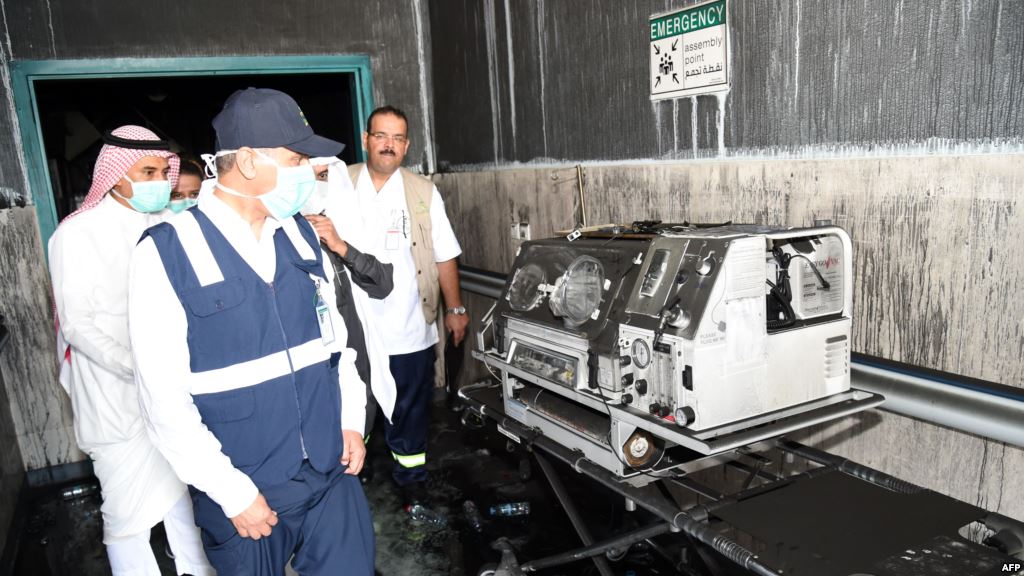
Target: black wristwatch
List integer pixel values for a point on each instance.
(457, 310)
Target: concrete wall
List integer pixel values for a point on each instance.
(19, 305)
(11, 467)
(393, 34)
(902, 122)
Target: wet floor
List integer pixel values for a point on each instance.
(62, 537)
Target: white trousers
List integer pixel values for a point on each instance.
(133, 555)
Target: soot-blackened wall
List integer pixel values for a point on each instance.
(521, 81)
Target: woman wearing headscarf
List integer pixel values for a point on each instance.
(89, 257)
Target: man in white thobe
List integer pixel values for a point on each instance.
(89, 257)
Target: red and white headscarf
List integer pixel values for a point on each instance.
(114, 162)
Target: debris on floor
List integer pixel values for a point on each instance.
(472, 471)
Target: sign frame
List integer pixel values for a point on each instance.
(678, 24)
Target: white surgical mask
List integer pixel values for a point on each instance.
(317, 202)
(149, 196)
(294, 186)
(179, 206)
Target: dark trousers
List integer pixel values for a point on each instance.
(323, 519)
(406, 434)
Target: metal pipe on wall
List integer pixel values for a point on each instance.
(987, 410)
(974, 406)
(481, 282)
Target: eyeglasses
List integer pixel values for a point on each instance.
(381, 137)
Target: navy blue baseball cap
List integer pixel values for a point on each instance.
(265, 118)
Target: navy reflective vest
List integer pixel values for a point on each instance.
(262, 379)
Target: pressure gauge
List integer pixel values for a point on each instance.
(641, 353)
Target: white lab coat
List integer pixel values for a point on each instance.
(382, 383)
(337, 205)
(89, 258)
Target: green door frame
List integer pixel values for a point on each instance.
(24, 74)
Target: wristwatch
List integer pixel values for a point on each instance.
(458, 310)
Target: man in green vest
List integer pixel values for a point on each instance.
(399, 217)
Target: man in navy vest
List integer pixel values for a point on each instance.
(245, 382)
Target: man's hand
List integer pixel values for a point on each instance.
(456, 324)
(354, 453)
(448, 278)
(326, 231)
(256, 521)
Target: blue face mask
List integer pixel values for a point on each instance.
(179, 206)
(294, 186)
(151, 196)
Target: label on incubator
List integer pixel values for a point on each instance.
(810, 298)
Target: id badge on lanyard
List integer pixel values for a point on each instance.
(323, 318)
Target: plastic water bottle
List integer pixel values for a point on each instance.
(420, 514)
(473, 518)
(511, 509)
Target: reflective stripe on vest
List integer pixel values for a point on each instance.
(259, 370)
(199, 254)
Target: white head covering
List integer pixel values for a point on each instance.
(318, 201)
(337, 199)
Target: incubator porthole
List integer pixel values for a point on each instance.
(524, 293)
(578, 292)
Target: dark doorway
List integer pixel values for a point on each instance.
(74, 113)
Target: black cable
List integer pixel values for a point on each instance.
(814, 268)
(787, 310)
(608, 437)
(663, 318)
(600, 391)
(781, 291)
